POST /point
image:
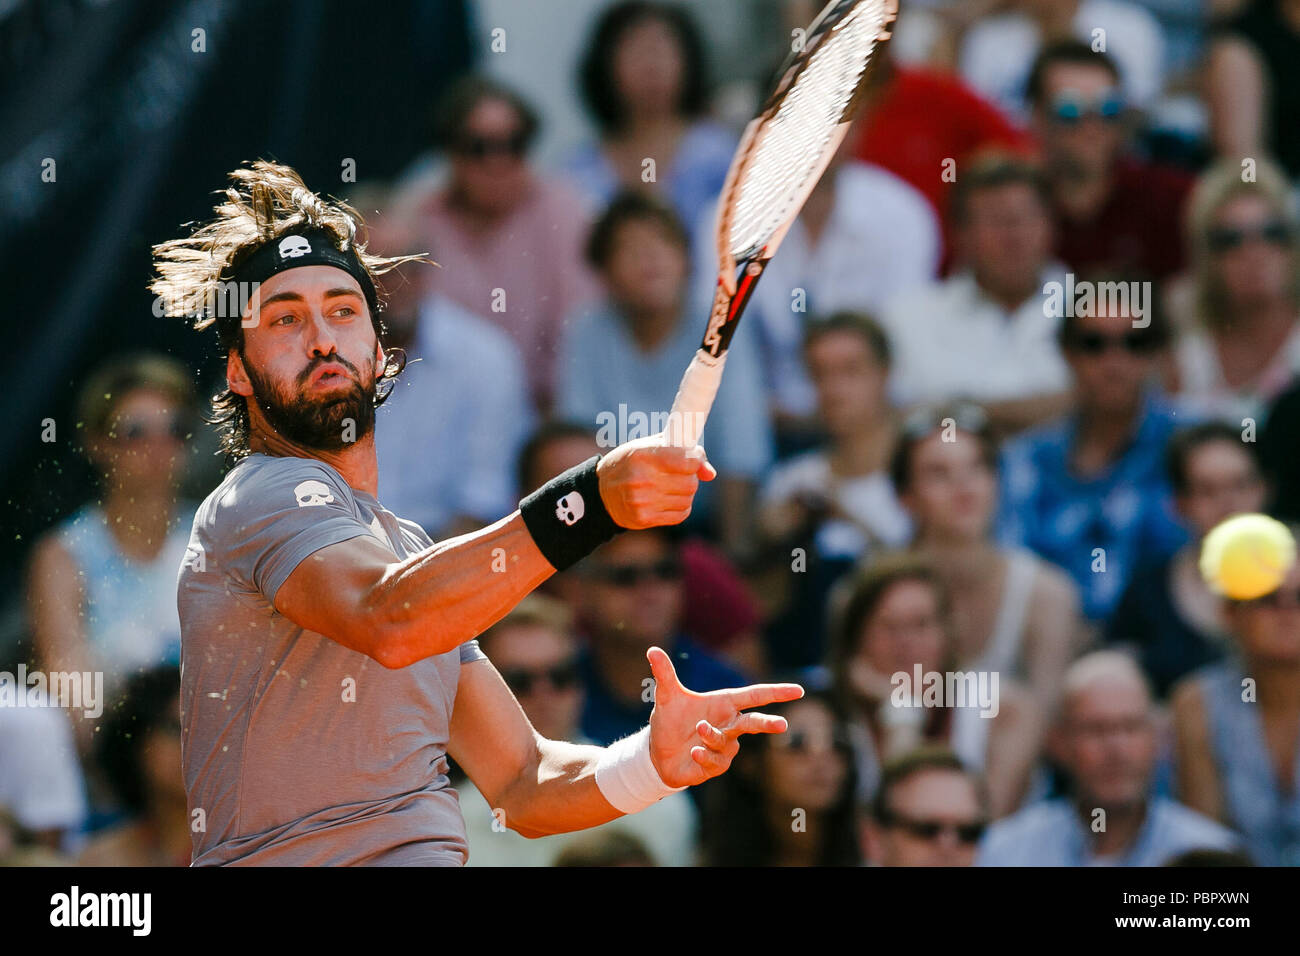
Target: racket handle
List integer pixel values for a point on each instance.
(694, 400)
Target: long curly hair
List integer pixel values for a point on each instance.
(265, 201)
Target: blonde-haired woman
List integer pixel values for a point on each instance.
(101, 585)
(1239, 342)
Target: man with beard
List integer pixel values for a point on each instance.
(329, 666)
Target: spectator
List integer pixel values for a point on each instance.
(895, 619)
(1168, 614)
(985, 334)
(837, 503)
(1253, 84)
(1238, 755)
(1088, 491)
(439, 405)
(1242, 347)
(140, 748)
(642, 81)
(1012, 612)
(998, 53)
(630, 352)
(788, 798)
(101, 593)
(509, 242)
(1113, 211)
(863, 237)
(534, 649)
(717, 606)
(915, 121)
(846, 483)
(632, 601)
(929, 810)
(1107, 738)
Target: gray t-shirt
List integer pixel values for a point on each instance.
(297, 750)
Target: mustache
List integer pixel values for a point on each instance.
(334, 359)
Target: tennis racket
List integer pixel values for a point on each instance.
(782, 154)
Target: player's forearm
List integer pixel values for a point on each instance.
(440, 598)
(560, 795)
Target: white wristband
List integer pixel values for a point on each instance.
(626, 776)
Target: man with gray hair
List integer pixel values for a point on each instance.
(1106, 735)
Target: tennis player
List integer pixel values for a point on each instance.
(329, 665)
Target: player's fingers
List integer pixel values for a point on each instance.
(758, 695)
(756, 724)
(712, 737)
(676, 460)
(663, 516)
(706, 471)
(714, 763)
(683, 486)
(665, 675)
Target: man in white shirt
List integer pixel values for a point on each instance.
(984, 334)
(997, 53)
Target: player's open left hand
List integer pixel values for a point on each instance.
(695, 736)
(645, 483)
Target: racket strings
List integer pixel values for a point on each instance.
(790, 147)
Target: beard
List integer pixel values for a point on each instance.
(318, 421)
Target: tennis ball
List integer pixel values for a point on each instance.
(1247, 556)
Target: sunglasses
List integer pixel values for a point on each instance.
(802, 742)
(1094, 343)
(630, 575)
(967, 833)
(1226, 238)
(482, 147)
(523, 681)
(132, 430)
(1070, 110)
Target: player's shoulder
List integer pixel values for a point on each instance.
(268, 483)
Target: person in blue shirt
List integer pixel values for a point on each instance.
(1107, 738)
(632, 600)
(1089, 491)
(621, 360)
(1235, 722)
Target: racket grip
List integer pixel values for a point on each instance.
(694, 400)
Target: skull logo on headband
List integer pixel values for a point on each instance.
(291, 247)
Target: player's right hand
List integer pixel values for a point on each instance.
(645, 483)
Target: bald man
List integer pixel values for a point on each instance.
(1106, 736)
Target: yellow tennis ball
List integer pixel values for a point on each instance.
(1247, 556)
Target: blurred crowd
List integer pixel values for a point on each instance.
(934, 458)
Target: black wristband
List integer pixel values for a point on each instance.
(567, 517)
